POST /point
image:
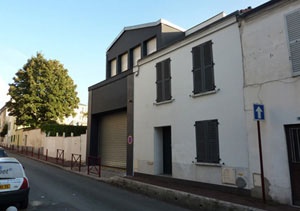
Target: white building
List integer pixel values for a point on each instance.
(189, 119)
(80, 117)
(271, 53)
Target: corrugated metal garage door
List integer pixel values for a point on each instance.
(113, 139)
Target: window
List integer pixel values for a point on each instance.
(163, 81)
(124, 62)
(151, 46)
(293, 28)
(207, 141)
(113, 68)
(136, 55)
(203, 68)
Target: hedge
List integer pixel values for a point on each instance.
(52, 129)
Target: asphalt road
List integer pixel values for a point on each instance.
(53, 188)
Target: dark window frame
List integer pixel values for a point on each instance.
(203, 68)
(163, 81)
(207, 141)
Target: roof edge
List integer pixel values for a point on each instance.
(145, 25)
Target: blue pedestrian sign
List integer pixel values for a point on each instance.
(259, 112)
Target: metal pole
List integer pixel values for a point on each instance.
(261, 164)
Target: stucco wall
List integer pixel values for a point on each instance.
(181, 114)
(75, 145)
(269, 81)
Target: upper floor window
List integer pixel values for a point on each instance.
(293, 28)
(151, 46)
(124, 62)
(207, 141)
(136, 55)
(163, 81)
(113, 67)
(203, 68)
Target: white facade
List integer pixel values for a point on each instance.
(80, 117)
(181, 113)
(269, 80)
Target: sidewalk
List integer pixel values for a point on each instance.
(191, 195)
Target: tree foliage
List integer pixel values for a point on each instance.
(42, 91)
(4, 130)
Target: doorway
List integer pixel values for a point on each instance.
(293, 146)
(167, 150)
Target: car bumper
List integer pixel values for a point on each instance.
(11, 197)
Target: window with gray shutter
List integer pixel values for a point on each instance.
(207, 141)
(163, 81)
(293, 28)
(203, 68)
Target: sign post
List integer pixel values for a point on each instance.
(259, 114)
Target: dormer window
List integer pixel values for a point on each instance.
(113, 67)
(136, 55)
(149, 46)
(124, 62)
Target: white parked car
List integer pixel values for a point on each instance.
(14, 185)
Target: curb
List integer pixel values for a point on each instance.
(186, 200)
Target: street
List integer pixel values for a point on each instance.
(53, 188)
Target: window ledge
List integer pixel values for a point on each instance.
(295, 74)
(205, 93)
(208, 164)
(164, 102)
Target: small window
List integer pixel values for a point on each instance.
(207, 141)
(136, 55)
(151, 46)
(203, 68)
(293, 28)
(113, 68)
(124, 62)
(163, 81)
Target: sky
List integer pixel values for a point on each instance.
(78, 32)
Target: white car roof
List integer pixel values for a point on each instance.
(8, 159)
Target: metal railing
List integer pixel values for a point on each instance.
(94, 165)
(60, 156)
(76, 161)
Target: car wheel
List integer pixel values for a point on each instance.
(24, 204)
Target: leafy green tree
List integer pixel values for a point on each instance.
(42, 91)
(4, 130)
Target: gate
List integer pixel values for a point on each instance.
(293, 146)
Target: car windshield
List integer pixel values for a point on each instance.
(10, 170)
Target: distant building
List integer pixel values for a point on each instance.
(80, 117)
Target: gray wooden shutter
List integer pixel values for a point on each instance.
(207, 141)
(293, 27)
(203, 72)
(200, 141)
(163, 81)
(209, 83)
(197, 69)
(212, 141)
(159, 82)
(167, 79)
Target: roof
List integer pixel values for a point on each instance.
(260, 7)
(145, 25)
(8, 159)
(205, 23)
